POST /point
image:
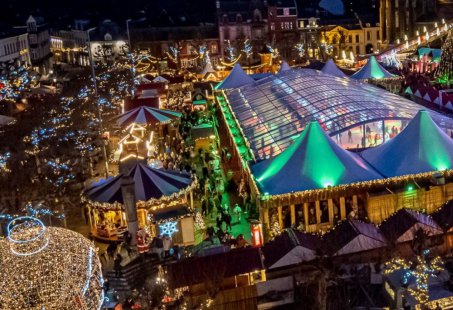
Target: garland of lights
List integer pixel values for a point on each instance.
(48, 268)
(421, 270)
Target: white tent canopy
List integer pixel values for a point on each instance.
(331, 68)
(159, 79)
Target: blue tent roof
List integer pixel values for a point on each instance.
(420, 147)
(313, 161)
(149, 184)
(331, 68)
(259, 76)
(235, 79)
(372, 70)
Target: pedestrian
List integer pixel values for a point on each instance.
(204, 206)
(117, 265)
(157, 246)
(349, 136)
(219, 221)
(166, 245)
(227, 219)
(237, 211)
(241, 242)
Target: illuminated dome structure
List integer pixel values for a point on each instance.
(48, 268)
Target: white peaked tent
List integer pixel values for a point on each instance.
(159, 79)
(353, 236)
(420, 147)
(372, 70)
(235, 79)
(331, 68)
(284, 67)
(290, 248)
(207, 69)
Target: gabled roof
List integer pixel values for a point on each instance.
(331, 68)
(353, 236)
(207, 69)
(236, 78)
(372, 70)
(215, 267)
(313, 161)
(149, 183)
(420, 147)
(284, 67)
(402, 226)
(444, 216)
(289, 248)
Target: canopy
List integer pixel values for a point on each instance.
(284, 67)
(207, 69)
(331, 68)
(202, 131)
(403, 225)
(159, 79)
(420, 147)
(149, 183)
(372, 70)
(235, 79)
(146, 115)
(353, 236)
(444, 216)
(313, 161)
(290, 248)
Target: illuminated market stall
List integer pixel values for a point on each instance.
(155, 191)
(302, 174)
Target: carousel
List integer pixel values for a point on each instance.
(159, 197)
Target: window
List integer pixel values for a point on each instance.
(350, 39)
(357, 38)
(378, 35)
(239, 18)
(225, 18)
(357, 50)
(213, 48)
(301, 24)
(108, 37)
(368, 35)
(272, 26)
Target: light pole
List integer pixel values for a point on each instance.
(130, 54)
(96, 96)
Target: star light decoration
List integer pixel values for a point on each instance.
(48, 268)
(300, 49)
(420, 270)
(168, 228)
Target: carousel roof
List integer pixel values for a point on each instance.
(146, 115)
(372, 70)
(236, 78)
(421, 147)
(315, 161)
(403, 225)
(353, 236)
(149, 183)
(331, 68)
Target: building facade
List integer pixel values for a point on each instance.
(282, 23)
(39, 45)
(399, 18)
(15, 48)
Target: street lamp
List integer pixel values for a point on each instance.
(96, 96)
(130, 54)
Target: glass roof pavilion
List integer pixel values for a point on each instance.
(272, 111)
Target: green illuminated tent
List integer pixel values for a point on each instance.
(313, 161)
(420, 147)
(372, 70)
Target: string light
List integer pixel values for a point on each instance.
(48, 268)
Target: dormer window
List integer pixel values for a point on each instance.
(239, 18)
(225, 18)
(257, 15)
(107, 37)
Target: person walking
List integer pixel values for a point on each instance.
(349, 136)
(237, 211)
(167, 245)
(117, 265)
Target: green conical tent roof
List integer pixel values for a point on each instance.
(372, 70)
(421, 147)
(313, 161)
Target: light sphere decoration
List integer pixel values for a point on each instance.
(45, 268)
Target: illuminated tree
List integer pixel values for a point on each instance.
(445, 71)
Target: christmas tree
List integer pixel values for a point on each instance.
(445, 71)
